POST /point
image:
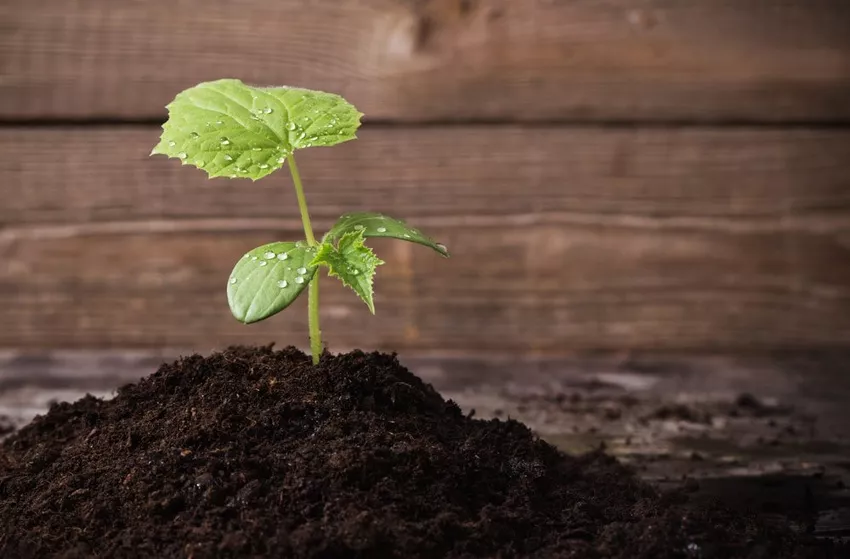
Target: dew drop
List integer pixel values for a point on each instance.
(269, 255)
(232, 280)
(253, 258)
(282, 283)
(263, 263)
(299, 279)
(195, 135)
(225, 142)
(281, 160)
(302, 271)
(268, 110)
(247, 255)
(442, 247)
(199, 163)
(382, 229)
(406, 236)
(182, 155)
(264, 166)
(243, 170)
(290, 126)
(228, 158)
(257, 149)
(301, 135)
(172, 144)
(359, 227)
(219, 122)
(282, 256)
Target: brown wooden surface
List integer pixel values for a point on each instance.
(562, 238)
(438, 60)
(691, 178)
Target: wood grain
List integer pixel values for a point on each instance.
(438, 60)
(546, 287)
(563, 239)
(678, 177)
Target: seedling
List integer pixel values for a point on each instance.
(233, 130)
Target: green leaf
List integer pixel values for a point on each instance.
(230, 129)
(378, 225)
(352, 262)
(268, 279)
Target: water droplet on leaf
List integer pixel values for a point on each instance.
(172, 144)
(263, 263)
(268, 110)
(290, 126)
(382, 229)
(182, 155)
(302, 271)
(299, 279)
(225, 142)
(264, 166)
(282, 256)
(282, 283)
(232, 280)
(269, 255)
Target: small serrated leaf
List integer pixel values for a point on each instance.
(352, 262)
(230, 129)
(372, 224)
(268, 279)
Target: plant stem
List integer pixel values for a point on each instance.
(302, 202)
(313, 288)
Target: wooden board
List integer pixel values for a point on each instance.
(562, 239)
(536, 288)
(438, 60)
(750, 178)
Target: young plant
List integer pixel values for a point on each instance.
(233, 130)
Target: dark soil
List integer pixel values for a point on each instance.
(256, 453)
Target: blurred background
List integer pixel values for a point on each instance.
(611, 176)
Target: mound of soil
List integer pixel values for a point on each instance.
(256, 453)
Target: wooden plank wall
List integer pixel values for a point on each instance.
(626, 174)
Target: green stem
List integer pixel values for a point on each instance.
(313, 289)
(302, 202)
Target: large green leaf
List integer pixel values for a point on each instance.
(378, 225)
(352, 262)
(230, 129)
(268, 279)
